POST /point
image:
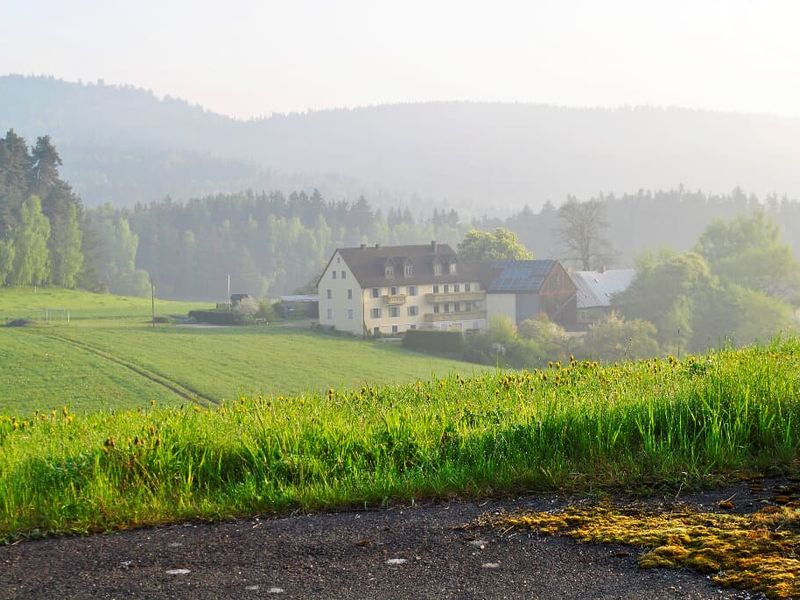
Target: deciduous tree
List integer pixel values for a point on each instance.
(492, 245)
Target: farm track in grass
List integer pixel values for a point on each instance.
(182, 390)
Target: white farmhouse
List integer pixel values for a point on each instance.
(374, 290)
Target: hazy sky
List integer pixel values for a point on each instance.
(247, 58)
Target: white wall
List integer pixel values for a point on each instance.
(340, 311)
(501, 304)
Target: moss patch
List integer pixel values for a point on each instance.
(756, 551)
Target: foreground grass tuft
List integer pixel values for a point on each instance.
(578, 427)
(756, 551)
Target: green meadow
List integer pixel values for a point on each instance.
(109, 357)
(578, 427)
(31, 303)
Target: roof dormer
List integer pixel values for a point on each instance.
(408, 268)
(388, 269)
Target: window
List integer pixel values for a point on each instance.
(436, 289)
(446, 288)
(330, 294)
(376, 292)
(376, 331)
(350, 314)
(467, 306)
(412, 326)
(437, 268)
(330, 314)
(338, 259)
(375, 313)
(467, 287)
(457, 307)
(436, 308)
(393, 291)
(344, 274)
(408, 271)
(333, 274)
(394, 328)
(413, 311)
(456, 287)
(447, 307)
(452, 268)
(412, 290)
(349, 294)
(394, 311)
(389, 272)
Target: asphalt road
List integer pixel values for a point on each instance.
(419, 552)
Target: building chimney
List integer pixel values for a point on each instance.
(433, 246)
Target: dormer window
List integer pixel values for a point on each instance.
(408, 270)
(437, 268)
(452, 268)
(389, 271)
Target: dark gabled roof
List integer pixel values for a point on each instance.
(597, 288)
(520, 275)
(368, 264)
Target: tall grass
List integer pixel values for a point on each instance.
(577, 426)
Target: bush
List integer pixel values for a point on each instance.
(268, 310)
(449, 342)
(550, 337)
(614, 339)
(246, 308)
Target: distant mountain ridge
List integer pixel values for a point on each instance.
(123, 145)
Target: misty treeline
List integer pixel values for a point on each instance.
(268, 243)
(126, 145)
(41, 234)
(634, 223)
(47, 238)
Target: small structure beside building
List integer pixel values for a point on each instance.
(299, 305)
(523, 289)
(596, 290)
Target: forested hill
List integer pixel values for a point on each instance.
(126, 145)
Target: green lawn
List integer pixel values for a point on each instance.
(38, 372)
(31, 303)
(98, 362)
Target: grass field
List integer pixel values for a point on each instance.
(98, 362)
(580, 427)
(31, 303)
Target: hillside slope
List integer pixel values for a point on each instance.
(459, 154)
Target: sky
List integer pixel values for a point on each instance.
(248, 58)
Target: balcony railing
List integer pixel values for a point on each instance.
(394, 299)
(455, 297)
(454, 316)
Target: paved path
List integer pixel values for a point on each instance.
(420, 552)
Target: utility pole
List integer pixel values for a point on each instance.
(153, 301)
(229, 292)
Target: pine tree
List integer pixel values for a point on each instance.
(45, 161)
(15, 167)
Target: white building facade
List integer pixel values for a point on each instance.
(377, 290)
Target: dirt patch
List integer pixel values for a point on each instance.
(19, 323)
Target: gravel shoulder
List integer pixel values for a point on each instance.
(402, 552)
